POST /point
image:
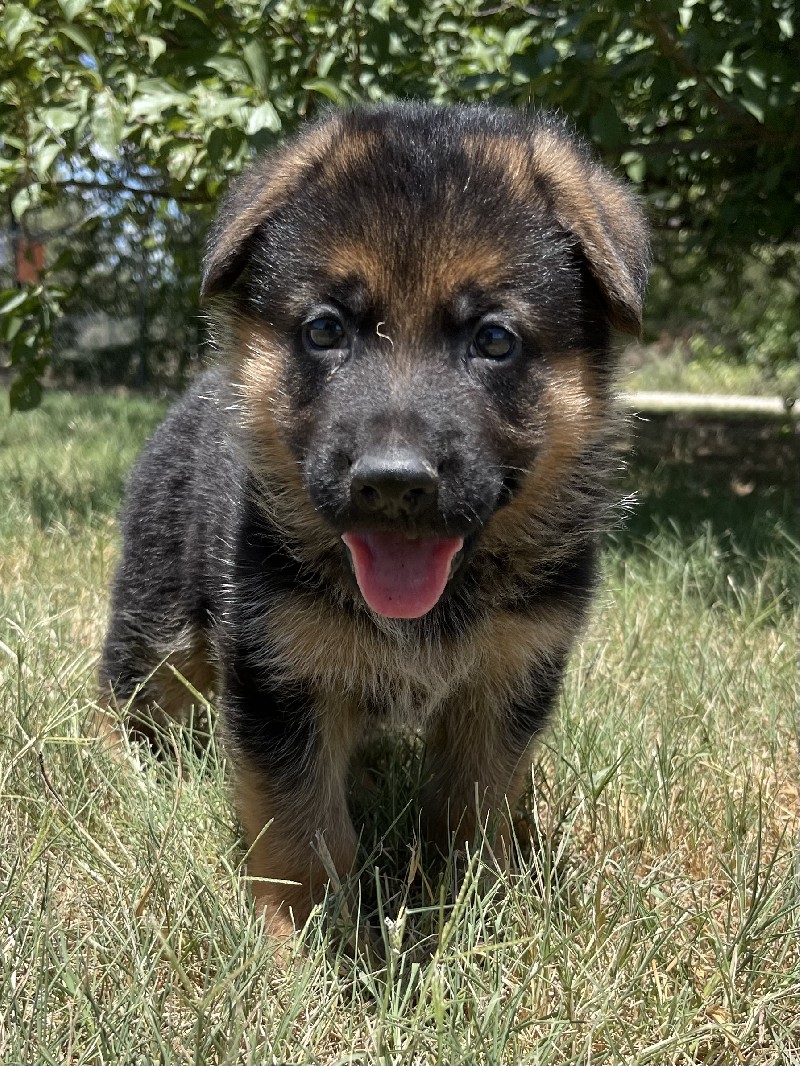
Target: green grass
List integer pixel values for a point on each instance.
(657, 918)
(674, 367)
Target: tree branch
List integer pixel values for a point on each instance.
(705, 144)
(673, 50)
(157, 192)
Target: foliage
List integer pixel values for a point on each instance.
(737, 332)
(137, 113)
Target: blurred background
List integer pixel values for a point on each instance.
(122, 122)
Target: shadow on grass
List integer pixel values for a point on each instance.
(724, 492)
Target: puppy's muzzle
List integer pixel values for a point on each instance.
(393, 483)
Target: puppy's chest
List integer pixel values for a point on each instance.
(412, 687)
(389, 672)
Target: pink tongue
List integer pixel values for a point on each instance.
(400, 577)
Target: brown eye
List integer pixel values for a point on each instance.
(323, 333)
(494, 342)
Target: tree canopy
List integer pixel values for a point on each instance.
(122, 120)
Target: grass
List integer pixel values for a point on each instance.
(657, 918)
(674, 367)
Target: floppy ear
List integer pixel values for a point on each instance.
(246, 204)
(605, 218)
(262, 189)
(614, 238)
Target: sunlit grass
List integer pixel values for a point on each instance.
(656, 918)
(675, 369)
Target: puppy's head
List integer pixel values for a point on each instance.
(417, 302)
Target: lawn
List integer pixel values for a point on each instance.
(673, 367)
(656, 918)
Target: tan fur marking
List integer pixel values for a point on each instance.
(445, 267)
(473, 773)
(588, 202)
(509, 156)
(165, 697)
(358, 260)
(407, 677)
(573, 417)
(264, 412)
(477, 263)
(380, 660)
(281, 823)
(264, 188)
(513, 644)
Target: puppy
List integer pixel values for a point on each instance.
(384, 506)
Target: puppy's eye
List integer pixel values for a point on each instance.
(494, 342)
(323, 333)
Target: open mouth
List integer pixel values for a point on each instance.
(399, 576)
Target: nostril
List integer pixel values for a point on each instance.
(369, 495)
(414, 498)
(395, 483)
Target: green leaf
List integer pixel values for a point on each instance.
(17, 21)
(11, 299)
(216, 105)
(154, 98)
(17, 143)
(756, 110)
(326, 88)
(10, 325)
(230, 68)
(757, 77)
(79, 37)
(326, 61)
(25, 393)
(60, 119)
(73, 8)
(180, 161)
(516, 38)
(256, 59)
(107, 122)
(155, 46)
(786, 25)
(25, 199)
(263, 117)
(192, 9)
(45, 157)
(634, 165)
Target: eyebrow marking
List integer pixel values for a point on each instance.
(351, 293)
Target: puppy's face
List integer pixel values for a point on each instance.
(421, 310)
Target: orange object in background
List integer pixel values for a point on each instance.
(29, 260)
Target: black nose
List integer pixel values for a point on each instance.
(393, 483)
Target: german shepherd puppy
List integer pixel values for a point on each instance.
(384, 505)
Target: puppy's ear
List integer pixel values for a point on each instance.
(605, 218)
(248, 202)
(260, 191)
(614, 238)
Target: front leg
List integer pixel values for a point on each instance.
(478, 756)
(291, 752)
